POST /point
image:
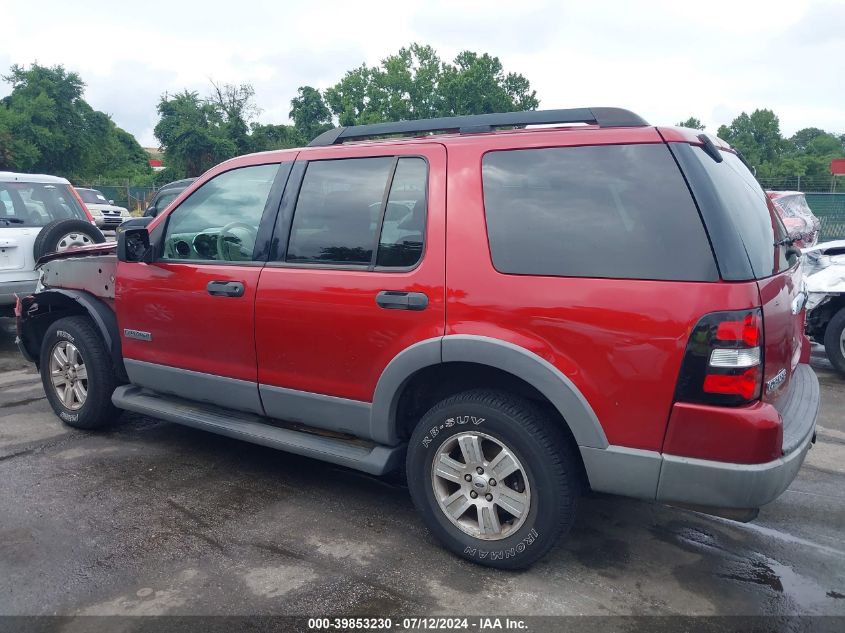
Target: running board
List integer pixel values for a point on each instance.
(374, 459)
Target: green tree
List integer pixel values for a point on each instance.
(757, 136)
(692, 123)
(311, 116)
(47, 102)
(802, 137)
(192, 134)
(267, 137)
(47, 126)
(476, 84)
(235, 107)
(17, 153)
(415, 83)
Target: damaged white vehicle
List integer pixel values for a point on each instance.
(824, 273)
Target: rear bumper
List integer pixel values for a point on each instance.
(702, 482)
(8, 290)
(711, 483)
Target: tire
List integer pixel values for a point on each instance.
(834, 341)
(55, 236)
(95, 410)
(548, 477)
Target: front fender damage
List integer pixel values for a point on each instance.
(76, 284)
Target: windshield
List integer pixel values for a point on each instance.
(92, 195)
(37, 204)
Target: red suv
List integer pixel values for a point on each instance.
(511, 315)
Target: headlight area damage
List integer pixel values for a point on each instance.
(74, 282)
(824, 270)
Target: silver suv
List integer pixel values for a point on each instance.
(39, 214)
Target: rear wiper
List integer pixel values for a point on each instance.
(710, 148)
(12, 220)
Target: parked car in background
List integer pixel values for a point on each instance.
(510, 315)
(106, 214)
(800, 221)
(38, 215)
(166, 195)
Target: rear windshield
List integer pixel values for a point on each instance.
(613, 211)
(92, 195)
(753, 217)
(37, 204)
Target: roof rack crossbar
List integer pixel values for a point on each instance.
(475, 123)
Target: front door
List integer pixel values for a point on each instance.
(186, 319)
(357, 278)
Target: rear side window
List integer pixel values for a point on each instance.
(746, 202)
(37, 204)
(346, 208)
(613, 211)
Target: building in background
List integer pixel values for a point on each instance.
(156, 158)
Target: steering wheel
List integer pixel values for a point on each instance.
(224, 245)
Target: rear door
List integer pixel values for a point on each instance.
(358, 276)
(193, 308)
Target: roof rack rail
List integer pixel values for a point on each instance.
(475, 123)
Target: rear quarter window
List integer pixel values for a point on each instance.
(614, 211)
(756, 223)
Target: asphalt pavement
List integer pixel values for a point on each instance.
(153, 518)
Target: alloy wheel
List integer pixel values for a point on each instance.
(69, 375)
(480, 485)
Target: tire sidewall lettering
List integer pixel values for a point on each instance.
(65, 335)
(508, 552)
(69, 417)
(448, 423)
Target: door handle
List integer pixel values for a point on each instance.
(225, 288)
(399, 300)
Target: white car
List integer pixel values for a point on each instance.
(106, 214)
(38, 215)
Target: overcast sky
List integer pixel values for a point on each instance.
(664, 60)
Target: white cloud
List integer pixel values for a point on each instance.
(666, 60)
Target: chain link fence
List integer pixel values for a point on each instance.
(830, 210)
(822, 184)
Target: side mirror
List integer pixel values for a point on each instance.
(133, 245)
(134, 223)
(111, 201)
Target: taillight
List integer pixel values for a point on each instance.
(723, 363)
